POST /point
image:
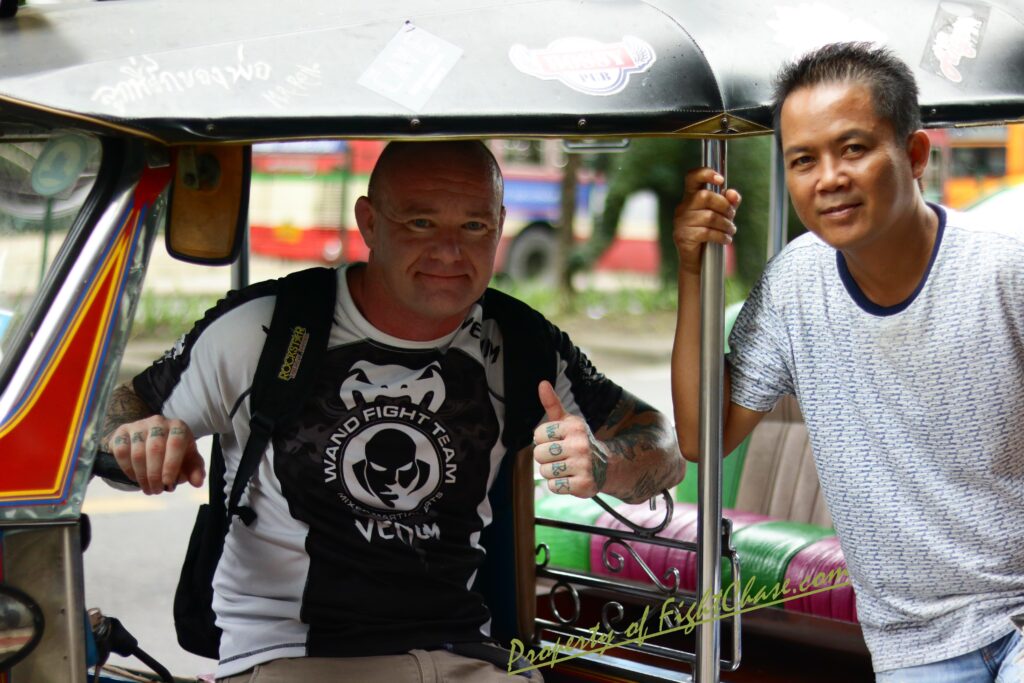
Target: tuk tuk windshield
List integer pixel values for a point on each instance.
(45, 176)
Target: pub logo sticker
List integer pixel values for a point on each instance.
(585, 65)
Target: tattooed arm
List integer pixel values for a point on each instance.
(632, 456)
(643, 457)
(124, 407)
(156, 452)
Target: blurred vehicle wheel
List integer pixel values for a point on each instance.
(531, 258)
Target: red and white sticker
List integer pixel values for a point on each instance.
(585, 65)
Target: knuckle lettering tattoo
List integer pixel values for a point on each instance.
(157, 431)
(552, 430)
(120, 440)
(558, 468)
(177, 431)
(137, 437)
(561, 486)
(555, 449)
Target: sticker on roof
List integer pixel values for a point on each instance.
(955, 39)
(411, 67)
(585, 65)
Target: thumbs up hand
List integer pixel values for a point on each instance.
(571, 459)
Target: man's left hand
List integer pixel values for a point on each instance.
(571, 459)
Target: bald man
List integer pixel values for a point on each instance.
(360, 566)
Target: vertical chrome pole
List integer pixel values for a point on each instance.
(240, 268)
(709, 467)
(778, 225)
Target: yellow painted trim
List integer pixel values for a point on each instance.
(121, 128)
(116, 258)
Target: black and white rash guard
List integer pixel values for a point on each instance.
(371, 503)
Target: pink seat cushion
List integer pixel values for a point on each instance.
(660, 559)
(824, 556)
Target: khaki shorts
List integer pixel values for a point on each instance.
(416, 666)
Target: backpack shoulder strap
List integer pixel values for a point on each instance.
(295, 345)
(506, 577)
(529, 357)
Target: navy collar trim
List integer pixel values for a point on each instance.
(870, 306)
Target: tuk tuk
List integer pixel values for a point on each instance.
(126, 123)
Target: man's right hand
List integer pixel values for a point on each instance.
(702, 216)
(158, 453)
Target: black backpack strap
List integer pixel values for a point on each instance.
(529, 356)
(296, 343)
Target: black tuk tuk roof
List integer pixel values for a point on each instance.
(187, 71)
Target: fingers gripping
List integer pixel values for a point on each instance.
(703, 216)
(158, 454)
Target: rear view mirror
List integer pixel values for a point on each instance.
(209, 205)
(21, 625)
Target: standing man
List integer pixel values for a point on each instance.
(370, 505)
(900, 329)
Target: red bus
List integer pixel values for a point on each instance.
(302, 195)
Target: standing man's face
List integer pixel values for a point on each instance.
(433, 233)
(852, 182)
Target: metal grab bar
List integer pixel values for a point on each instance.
(568, 583)
(709, 466)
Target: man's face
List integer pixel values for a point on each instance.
(433, 231)
(852, 182)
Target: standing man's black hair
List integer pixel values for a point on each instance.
(893, 88)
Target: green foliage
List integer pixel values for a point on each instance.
(169, 314)
(609, 303)
(659, 165)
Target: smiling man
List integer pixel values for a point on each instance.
(900, 329)
(371, 503)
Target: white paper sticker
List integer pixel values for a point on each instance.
(955, 41)
(411, 67)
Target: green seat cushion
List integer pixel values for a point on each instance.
(730, 315)
(732, 470)
(569, 549)
(766, 549)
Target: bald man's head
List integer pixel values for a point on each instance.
(432, 221)
(470, 154)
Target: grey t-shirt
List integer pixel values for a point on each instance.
(916, 417)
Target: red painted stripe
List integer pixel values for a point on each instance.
(39, 442)
(36, 456)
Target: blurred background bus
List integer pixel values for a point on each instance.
(303, 193)
(968, 164)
